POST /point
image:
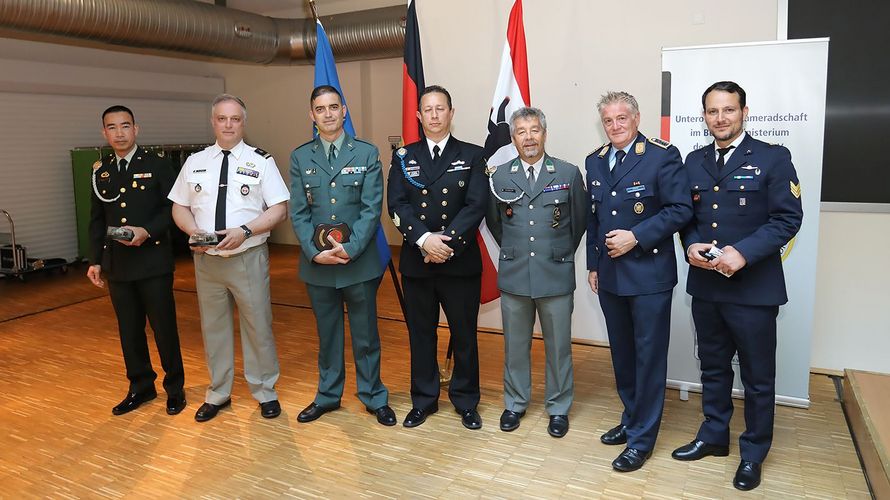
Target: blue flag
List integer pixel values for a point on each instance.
(326, 74)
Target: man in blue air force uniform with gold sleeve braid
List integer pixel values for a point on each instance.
(336, 178)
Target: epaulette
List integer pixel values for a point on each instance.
(363, 142)
(97, 164)
(262, 153)
(660, 142)
(602, 150)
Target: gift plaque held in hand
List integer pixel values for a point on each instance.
(339, 232)
(203, 240)
(119, 233)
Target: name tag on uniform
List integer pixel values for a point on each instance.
(353, 170)
(198, 171)
(413, 173)
(556, 187)
(146, 175)
(248, 172)
(634, 189)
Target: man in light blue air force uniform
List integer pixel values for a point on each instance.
(335, 206)
(639, 197)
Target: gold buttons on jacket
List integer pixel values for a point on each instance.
(333, 217)
(714, 224)
(716, 188)
(714, 206)
(123, 220)
(123, 204)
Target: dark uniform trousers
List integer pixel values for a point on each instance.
(639, 329)
(133, 301)
(724, 329)
(648, 194)
(140, 279)
(445, 196)
(361, 304)
(752, 203)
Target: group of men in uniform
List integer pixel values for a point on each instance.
(735, 203)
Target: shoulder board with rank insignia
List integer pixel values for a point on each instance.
(363, 142)
(603, 150)
(305, 144)
(660, 142)
(262, 153)
(97, 164)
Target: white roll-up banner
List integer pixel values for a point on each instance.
(785, 83)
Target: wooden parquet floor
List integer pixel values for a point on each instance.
(62, 371)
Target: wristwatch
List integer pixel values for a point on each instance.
(247, 232)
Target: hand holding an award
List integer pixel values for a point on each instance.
(201, 241)
(329, 239)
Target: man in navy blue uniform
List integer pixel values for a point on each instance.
(746, 199)
(437, 197)
(639, 197)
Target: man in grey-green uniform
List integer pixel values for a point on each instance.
(335, 206)
(537, 214)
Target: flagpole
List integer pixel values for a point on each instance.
(314, 10)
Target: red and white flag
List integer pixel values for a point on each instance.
(511, 93)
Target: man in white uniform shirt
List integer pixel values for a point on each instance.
(237, 192)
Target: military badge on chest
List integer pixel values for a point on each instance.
(245, 190)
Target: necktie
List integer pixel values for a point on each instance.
(619, 157)
(436, 151)
(332, 153)
(122, 165)
(721, 152)
(531, 177)
(221, 194)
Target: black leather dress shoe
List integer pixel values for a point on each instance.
(417, 416)
(470, 418)
(208, 410)
(133, 401)
(270, 409)
(312, 412)
(747, 476)
(559, 425)
(630, 460)
(699, 449)
(175, 404)
(510, 420)
(615, 435)
(385, 415)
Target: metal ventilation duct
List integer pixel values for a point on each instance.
(186, 26)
